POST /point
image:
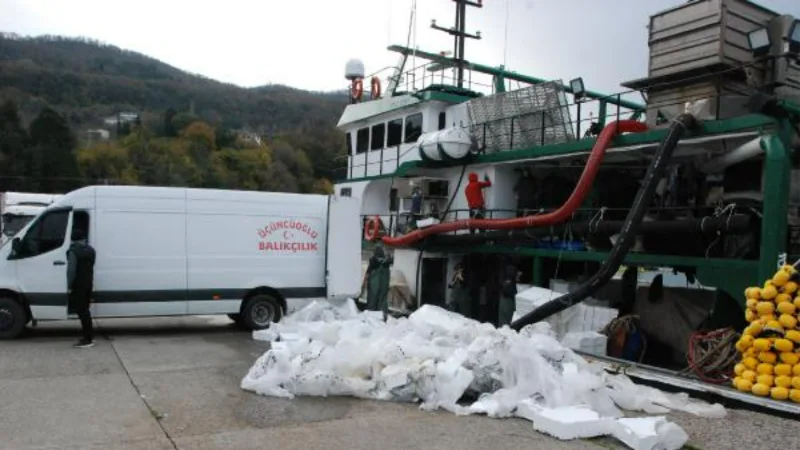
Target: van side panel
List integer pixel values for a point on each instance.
(238, 241)
(140, 239)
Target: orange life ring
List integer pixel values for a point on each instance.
(357, 89)
(372, 228)
(375, 88)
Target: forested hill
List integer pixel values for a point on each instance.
(63, 100)
(86, 80)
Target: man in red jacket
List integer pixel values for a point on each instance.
(474, 193)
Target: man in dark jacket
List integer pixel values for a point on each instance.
(80, 282)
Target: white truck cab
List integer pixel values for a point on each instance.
(19, 208)
(174, 251)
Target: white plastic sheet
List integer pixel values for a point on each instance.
(435, 357)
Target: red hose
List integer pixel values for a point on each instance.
(561, 214)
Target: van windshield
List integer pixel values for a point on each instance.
(12, 223)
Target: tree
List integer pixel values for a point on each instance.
(52, 163)
(168, 126)
(13, 147)
(107, 161)
(183, 120)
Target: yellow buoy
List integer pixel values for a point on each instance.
(789, 268)
(751, 353)
(795, 370)
(751, 363)
(793, 335)
(753, 292)
(796, 302)
(762, 344)
(765, 308)
(744, 343)
(790, 287)
(751, 303)
(790, 358)
(786, 308)
(783, 345)
(783, 381)
(742, 384)
(796, 382)
(769, 292)
(794, 395)
(765, 369)
(780, 278)
(782, 369)
(779, 393)
(783, 298)
(766, 380)
(754, 328)
(760, 389)
(787, 321)
(750, 315)
(740, 368)
(774, 325)
(749, 375)
(768, 357)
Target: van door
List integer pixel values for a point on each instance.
(41, 264)
(343, 247)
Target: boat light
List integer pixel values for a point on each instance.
(759, 41)
(578, 91)
(794, 37)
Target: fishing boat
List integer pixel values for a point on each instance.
(635, 219)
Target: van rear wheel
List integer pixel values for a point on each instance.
(260, 311)
(12, 318)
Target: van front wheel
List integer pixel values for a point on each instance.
(260, 311)
(12, 318)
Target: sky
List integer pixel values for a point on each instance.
(306, 43)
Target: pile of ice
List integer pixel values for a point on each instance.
(440, 358)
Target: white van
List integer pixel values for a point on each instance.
(175, 251)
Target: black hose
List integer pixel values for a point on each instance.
(735, 224)
(627, 235)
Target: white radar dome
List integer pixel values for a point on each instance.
(354, 69)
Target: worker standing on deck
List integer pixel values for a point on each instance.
(378, 277)
(474, 193)
(459, 292)
(508, 302)
(526, 191)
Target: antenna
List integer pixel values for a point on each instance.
(459, 34)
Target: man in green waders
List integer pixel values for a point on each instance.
(508, 301)
(459, 293)
(378, 276)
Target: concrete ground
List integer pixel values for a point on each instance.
(174, 384)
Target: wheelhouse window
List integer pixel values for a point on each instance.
(394, 136)
(378, 134)
(413, 127)
(362, 140)
(349, 139)
(442, 120)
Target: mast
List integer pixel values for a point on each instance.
(459, 35)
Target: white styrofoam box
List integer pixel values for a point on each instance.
(562, 286)
(581, 317)
(649, 433)
(586, 341)
(427, 222)
(567, 422)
